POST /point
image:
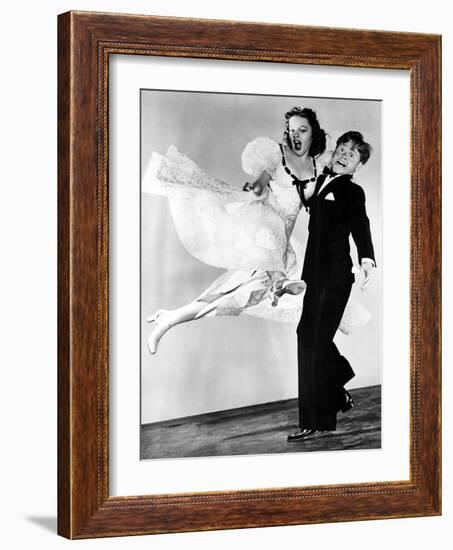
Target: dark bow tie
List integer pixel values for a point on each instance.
(328, 172)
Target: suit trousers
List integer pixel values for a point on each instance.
(322, 370)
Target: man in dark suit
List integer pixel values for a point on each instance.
(337, 210)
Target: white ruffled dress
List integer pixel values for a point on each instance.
(251, 237)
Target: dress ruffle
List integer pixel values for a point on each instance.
(218, 224)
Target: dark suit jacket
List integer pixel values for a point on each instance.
(327, 256)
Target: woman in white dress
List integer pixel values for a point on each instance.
(247, 233)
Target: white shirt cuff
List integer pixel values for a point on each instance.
(368, 260)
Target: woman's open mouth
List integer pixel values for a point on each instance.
(297, 144)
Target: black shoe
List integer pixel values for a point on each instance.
(347, 403)
(304, 434)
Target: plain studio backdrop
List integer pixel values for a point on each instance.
(28, 290)
(227, 362)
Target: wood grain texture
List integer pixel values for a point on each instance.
(262, 429)
(85, 42)
(64, 425)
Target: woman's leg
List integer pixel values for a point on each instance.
(229, 295)
(222, 289)
(165, 319)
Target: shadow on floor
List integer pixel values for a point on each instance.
(49, 523)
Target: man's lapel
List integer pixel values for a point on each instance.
(321, 179)
(327, 188)
(334, 182)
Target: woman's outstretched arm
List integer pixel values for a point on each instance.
(260, 185)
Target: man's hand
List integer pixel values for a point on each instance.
(367, 268)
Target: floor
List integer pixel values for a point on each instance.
(262, 429)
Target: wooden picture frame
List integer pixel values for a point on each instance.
(85, 41)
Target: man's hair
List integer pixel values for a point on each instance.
(362, 146)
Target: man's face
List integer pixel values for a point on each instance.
(346, 159)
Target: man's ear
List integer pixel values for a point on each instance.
(359, 166)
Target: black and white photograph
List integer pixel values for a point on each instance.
(261, 287)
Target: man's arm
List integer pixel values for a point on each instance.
(360, 227)
(361, 233)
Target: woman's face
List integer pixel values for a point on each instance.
(300, 135)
